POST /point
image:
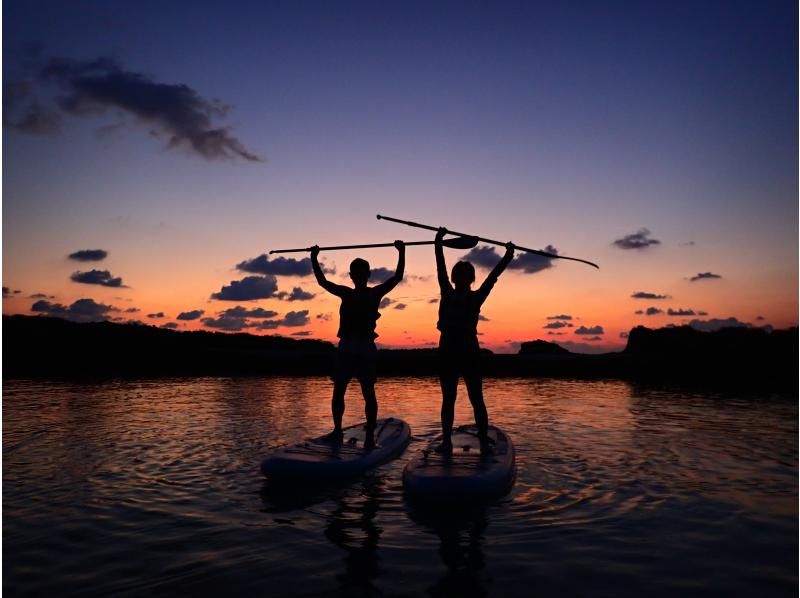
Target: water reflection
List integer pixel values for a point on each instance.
(351, 526)
(461, 536)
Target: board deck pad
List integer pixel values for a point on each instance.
(320, 458)
(466, 474)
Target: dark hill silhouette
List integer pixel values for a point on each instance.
(540, 347)
(42, 347)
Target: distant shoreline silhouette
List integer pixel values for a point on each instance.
(40, 347)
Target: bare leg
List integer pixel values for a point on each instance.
(337, 405)
(449, 384)
(371, 411)
(475, 393)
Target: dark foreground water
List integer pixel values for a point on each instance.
(152, 488)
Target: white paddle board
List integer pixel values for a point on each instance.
(465, 474)
(319, 458)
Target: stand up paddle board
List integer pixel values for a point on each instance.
(320, 458)
(466, 474)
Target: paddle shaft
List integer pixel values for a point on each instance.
(367, 246)
(485, 240)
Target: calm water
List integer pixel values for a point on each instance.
(152, 488)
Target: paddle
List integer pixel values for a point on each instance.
(492, 241)
(461, 242)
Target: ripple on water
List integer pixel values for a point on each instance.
(152, 486)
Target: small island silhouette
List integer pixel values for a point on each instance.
(47, 347)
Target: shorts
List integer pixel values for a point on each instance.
(459, 357)
(356, 358)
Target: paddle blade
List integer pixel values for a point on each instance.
(460, 242)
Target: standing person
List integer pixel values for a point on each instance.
(459, 351)
(357, 354)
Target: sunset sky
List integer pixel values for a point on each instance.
(657, 139)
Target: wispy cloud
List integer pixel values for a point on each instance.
(82, 310)
(100, 277)
(590, 330)
(249, 288)
(190, 315)
(704, 276)
(639, 240)
(173, 112)
(88, 255)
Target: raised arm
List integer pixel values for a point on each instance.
(397, 277)
(441, 267)
(497, 271)
(332, 288)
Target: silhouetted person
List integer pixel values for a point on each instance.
(459, 351)
(357, 355)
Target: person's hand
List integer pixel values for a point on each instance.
(400, 245)
(510, 249)
(315, 251)
(441, 233)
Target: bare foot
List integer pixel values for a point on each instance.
(334, 437)
(446, 448)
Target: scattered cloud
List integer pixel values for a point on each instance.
(175, 113)
(297, 294)
(487, 257)
(6, 292)
(132, 310)
(34, 296)
(556, 325)
(760, 318)
(190, 315)
(589, 330)
(400, 306)
(559, 317)
(82, 310)
(433, 300)
(482, 318)
(301, 333)
(704, 276)
(291, 319)
(88, 255)
(551, 333)
(644, 295)
(380, 274)
(170, 326)
(652, 311)
(680, 312)
(156, 316)
(702, 313)
(638, 240)
(224, 322)
(243, 312)
(280, 266)
(385, 302)
(324, 317)
(101, 277)
(530, 263)
(623, 334)
(249, 288)
(594, 338)
(717, 323)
